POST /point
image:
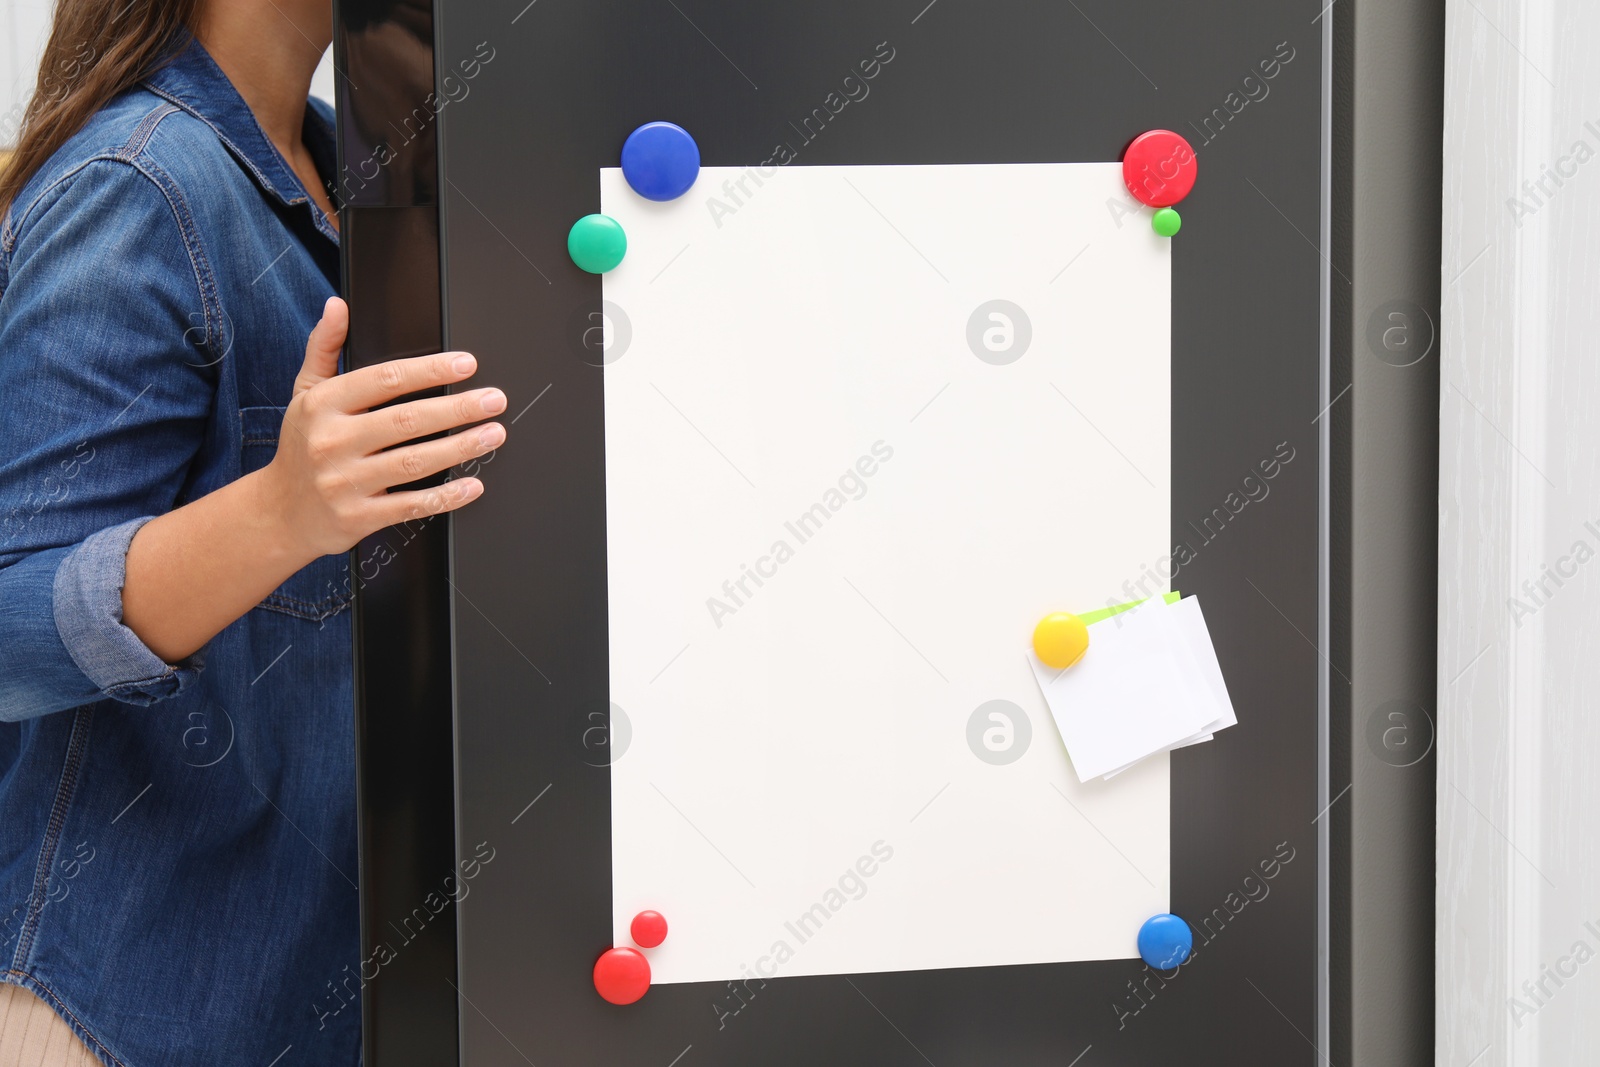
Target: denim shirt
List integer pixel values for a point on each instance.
(177, 840)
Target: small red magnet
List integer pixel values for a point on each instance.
(1159, 168)
(649, 929)
(621, 975)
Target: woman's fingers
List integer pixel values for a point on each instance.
(409, 462)
(338, 457)
(366, 388)
(396, 508)
(324, 345)
(392, 425)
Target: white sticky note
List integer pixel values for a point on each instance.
(1129, 697)
(1189, 667)
(1191, 624)
(1201, 671)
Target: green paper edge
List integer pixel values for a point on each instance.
(1091, 617)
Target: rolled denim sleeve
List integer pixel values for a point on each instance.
(107, 385)
(88, 609)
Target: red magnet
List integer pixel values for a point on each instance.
(621, 975)
(1159, 168)
(649, 929)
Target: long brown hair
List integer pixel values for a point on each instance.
(97, 49)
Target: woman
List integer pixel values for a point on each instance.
(180, 475)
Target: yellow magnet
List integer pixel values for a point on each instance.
(1060, 640)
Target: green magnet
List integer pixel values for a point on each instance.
(1165, 222)
(596, 243)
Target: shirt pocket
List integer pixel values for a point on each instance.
(322, 589)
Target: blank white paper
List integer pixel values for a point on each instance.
(831, 529)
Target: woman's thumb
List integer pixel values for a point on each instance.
(324, 345)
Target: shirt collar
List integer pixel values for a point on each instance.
(193, 81)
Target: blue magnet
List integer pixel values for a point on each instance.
(1165, 941)
(660, 161)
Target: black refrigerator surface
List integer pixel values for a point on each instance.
(743, 618)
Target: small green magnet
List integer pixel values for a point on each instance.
(596, 243)
(1165, 222)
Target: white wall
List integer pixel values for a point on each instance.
(322, 80)
(24, 25)
(24, 28)
(1519, 690)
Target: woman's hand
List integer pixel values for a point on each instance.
(199, 567)
(337, 457)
